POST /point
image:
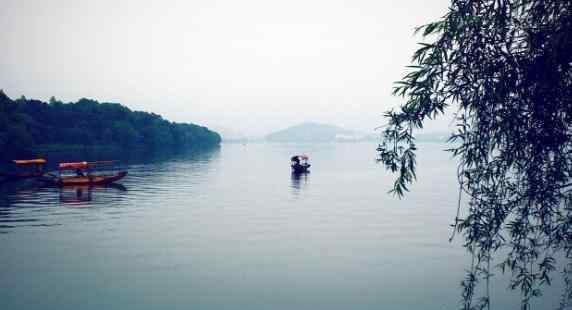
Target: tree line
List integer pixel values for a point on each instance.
(26, 124)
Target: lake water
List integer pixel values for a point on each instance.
(231, 228)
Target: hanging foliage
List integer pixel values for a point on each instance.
(505, 68)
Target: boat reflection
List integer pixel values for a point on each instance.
(76, 194)
(79, 194)
(299, 180)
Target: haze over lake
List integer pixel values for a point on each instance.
(231, 228)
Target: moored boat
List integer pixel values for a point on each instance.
(85, 174)
(25, 169)
(90, 179)
(299, 163)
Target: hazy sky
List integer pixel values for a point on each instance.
(248, 65)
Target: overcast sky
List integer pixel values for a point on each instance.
(249, 65)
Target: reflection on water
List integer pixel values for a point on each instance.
(79, 194)
(75, 194)
(30, 203)
(299, 181)
(231, 229)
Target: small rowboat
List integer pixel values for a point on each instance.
(25, 169)
(299, 163)
(301, 168)
(89, 178)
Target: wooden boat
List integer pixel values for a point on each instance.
(299, 164)
(84, 175)
(300, 168)
(25, 169)
(90, 179)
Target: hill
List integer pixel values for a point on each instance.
(313, 132)
(27, 124)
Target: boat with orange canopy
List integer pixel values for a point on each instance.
(88, 173)
(25, 169)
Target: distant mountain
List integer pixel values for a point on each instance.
(314, 132)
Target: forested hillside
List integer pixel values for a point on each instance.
(26, 124)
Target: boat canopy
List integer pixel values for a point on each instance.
(300, 157)
(73, 166)
(86, 164)
(38, 161)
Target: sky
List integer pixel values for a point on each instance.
(248, 66)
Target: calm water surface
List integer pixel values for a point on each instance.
(233, 229)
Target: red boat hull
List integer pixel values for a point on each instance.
(90, 179)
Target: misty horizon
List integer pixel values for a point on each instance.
(252, 67)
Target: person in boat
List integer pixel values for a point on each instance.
(295, 160)
(299, 163)
(79, 173)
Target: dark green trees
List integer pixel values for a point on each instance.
(14, 126)
(505, 68)
(27, 123)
